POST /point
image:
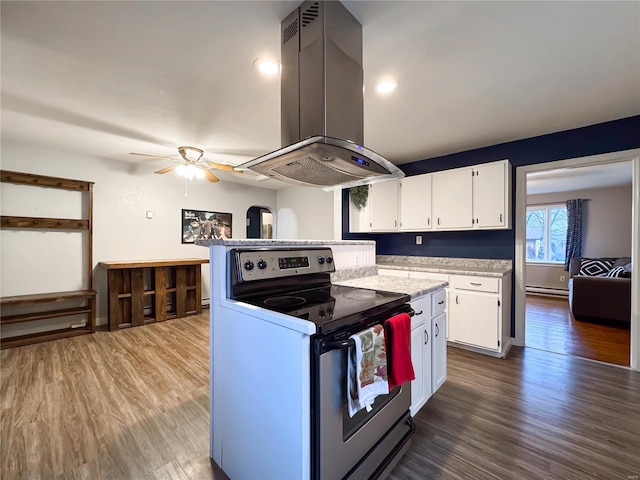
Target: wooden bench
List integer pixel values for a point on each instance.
(57, 311)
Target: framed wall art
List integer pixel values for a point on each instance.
(200, 224)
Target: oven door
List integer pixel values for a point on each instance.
(359, 446)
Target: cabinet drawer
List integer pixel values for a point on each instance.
(478, 284)
(438, 300)
(422, 308)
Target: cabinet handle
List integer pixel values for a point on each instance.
(476, 284)
(477, 221)
(419, 313)
(438, 220)
(500, 218)
(440, 303)
(457, 303)
(395, 223)
(428, 221)
(426, 337)
(437, 330)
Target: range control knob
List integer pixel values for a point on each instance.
(320, 260)
(248, 265)
(262, 264)
(329, 259)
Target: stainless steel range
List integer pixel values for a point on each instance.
(296, 283)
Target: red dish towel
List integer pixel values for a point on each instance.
(398, 340)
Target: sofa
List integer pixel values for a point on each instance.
(600, 288)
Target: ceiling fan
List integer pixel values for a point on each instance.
(193, 165)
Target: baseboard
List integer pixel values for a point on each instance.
(550, 292)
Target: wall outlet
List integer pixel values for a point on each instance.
(562, 278)
(418, 239)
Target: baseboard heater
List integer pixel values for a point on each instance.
(555, 292)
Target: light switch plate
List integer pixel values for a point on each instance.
(418, 239)
(149, 213)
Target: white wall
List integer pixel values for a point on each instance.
(37, 262)
(305, 213)
(607, 229)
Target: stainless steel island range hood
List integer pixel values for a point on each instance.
(322, 104)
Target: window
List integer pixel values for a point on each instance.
(546, 233)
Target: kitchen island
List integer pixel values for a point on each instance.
(260, 369)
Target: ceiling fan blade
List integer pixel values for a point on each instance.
(172, 157)
(218, 166)
(166, 169)
(221, 166)
(210, 176)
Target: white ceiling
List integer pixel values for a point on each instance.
(109, 78)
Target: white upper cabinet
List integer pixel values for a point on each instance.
(383, 197)
(359, 220)
(467, 198)
(415, 203)
(452, 199)
(491, 195)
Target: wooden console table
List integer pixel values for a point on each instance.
(153, 290)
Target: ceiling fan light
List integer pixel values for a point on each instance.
(180, 170)
(190, 172)
(199, 173)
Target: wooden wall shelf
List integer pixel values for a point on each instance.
(60, 299)
(147, 291)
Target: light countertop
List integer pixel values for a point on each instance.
(412, 286)
(260, 242)
(446, 265)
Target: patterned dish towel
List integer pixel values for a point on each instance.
(367, 368)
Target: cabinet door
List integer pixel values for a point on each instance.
(384, 205)
(438, 351)
(489, 195)
(474, 319)
(421, 352)
(418, 396)
(415, 203)
(360, 220)
(451, 193)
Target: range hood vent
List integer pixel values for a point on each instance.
(322, 104)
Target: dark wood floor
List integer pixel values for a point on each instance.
(550, 326)
(134, 404)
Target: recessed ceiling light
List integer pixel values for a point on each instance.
(267, 66)
(385, 87)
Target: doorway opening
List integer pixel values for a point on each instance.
(555, 305)
(572, 324)
(259, 222)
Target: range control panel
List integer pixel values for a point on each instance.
(261, 264)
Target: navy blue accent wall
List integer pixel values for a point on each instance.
(623, 134)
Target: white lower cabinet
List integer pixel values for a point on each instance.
(421, 352)
(428, 348)
(479, 311)
(473, 318)
(438, 351)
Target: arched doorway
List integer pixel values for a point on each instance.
(259, 222)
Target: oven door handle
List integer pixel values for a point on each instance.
(339, 345)
(348, 342)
